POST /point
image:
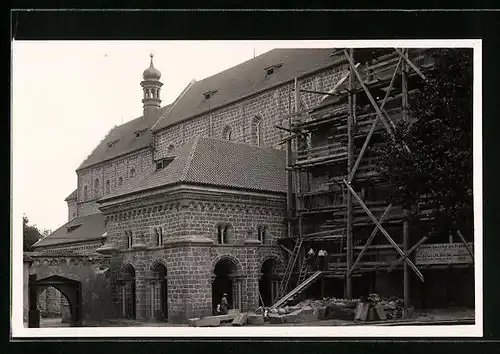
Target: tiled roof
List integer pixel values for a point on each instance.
(219, 163)
(122, 139)
(91, 227)
(244, 79)
(72, 195)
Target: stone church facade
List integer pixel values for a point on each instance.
(187, 202)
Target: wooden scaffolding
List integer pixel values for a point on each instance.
(374, 89)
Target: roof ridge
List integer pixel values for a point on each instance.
(95, 147)
(186, 89)
(187, 166)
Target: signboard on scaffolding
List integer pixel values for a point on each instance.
(443, 253)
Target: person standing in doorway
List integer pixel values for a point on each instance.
(224, 306)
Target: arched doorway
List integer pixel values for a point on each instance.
(127, 293)
(68, 289)
(226, 279)
(268, 282)
(159, 301)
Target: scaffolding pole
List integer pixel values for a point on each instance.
(406, 236)
(350, 155)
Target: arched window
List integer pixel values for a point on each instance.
(96, 187)
(120, 181)
(108, 188)
(256, 131)
(262, 234)
(132, 173)
(85, 193)
(227, 133)
(128, 234)
(159, 236)
(224, 233)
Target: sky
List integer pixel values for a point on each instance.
(67, 95)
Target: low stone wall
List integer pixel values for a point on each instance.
(87, 269)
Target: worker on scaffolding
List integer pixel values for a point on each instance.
(311, 258)
(322, 254)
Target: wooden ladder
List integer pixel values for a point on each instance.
(289, 268)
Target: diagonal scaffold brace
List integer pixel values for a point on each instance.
(383, 231)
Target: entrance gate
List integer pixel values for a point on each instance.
(69, 288)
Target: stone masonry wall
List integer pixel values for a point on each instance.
(121, 167)
(271, 106)
(72, 210)
(190, 250)
(96, 293)
(244, 214)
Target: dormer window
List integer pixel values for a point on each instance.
(112, 143)
(209, 94)
(139, 133)
(270, 70)
(73, 227)
(161, 164)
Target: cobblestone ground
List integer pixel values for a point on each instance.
(428, 317)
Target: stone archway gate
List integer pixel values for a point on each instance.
(69, 288)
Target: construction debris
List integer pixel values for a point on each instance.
(214, 321)
(255, 319)
(377, 308)
(240, 319)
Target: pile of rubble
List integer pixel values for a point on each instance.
(376, 307)
(311, 310)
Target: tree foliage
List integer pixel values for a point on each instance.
(31, 234)
(436, 174)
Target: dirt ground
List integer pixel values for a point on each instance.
(441, 316)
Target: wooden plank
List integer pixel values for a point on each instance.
(417, 70)
(465, 244)
(286, 249)
(407, 254)
(370, 239)
(384, 232)
(350, 151)
(369, 95)
(374, 125)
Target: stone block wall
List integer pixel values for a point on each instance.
(96, 294)
(271, 106)
(72, 210)
(190, 251)
(190, 273)
(203, 213)
(140, 162)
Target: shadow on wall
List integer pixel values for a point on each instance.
(97, 298)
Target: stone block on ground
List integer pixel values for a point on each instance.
(364, 311)
(240, 319)
(357, 311)
(192, 321)
(379, 309)
(233, 311)
(371, 314)
(208, 322)
(307, 309)
(276, 319)
(293, 317)
(321, 312)
(281, 311)
(255, 319)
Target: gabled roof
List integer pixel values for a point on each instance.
(219, 163)
(85, 228)
(72, 196)
(245, 79)
(122, 139)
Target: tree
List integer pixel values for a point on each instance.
(31, 234)
(436, 174)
